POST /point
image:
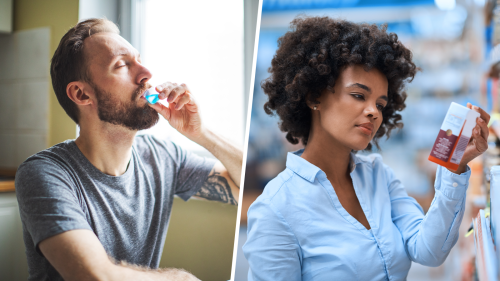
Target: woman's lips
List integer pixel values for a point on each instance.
(366, 128)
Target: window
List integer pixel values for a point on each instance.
(199, 43)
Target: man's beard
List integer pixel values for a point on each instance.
(128, 115)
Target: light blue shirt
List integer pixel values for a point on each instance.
(298, 230)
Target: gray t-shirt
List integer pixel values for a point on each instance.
(58, 190)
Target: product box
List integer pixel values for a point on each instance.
(454, 136)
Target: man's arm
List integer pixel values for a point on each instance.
(78, 255)
(223, 181)
(219, 186)
(182, 114)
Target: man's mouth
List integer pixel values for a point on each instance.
(146, 92)
(141, 91)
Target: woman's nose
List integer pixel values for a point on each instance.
(371, 111)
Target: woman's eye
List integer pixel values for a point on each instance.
(359, 97)
(380, 107)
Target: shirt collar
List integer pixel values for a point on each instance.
(307, 170)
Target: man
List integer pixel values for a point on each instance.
(97, 208)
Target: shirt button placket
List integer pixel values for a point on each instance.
(385, 264)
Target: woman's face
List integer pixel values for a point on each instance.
(353, 113)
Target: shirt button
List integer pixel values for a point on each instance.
(455, 184)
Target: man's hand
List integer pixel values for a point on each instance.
(182, 112)
(78, 255)
(223, 182)
(479, 140)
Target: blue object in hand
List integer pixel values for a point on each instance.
(151, 96)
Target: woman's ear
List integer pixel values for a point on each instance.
(314, 105)
(75, 91)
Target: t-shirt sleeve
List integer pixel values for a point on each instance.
(192, 172)
(47, 201)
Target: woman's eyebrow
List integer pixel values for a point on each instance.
(366, 88)
(359, 85)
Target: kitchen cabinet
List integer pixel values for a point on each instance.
(6, 12)
(13, 265)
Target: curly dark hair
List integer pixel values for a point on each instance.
(310, 58)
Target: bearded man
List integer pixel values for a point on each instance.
(97, 208)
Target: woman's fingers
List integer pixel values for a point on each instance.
(480, 132)
(483, 127)
(479, 140)
(483, 113)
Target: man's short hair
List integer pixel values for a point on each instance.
(69, 64)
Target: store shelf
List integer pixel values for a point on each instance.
(494, 62)
(486, 260)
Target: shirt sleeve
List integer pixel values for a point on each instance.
(48, 204)
(189, 170)
(428, 239)
(192, 172)
(271, 249)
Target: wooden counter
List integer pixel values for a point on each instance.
(7, 179)
(7, 186)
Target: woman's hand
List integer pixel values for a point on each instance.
(478, 142)
(182, 111)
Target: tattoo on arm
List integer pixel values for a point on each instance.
(217, 188)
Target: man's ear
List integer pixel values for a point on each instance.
(75, 91)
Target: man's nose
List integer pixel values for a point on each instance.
(144, 75)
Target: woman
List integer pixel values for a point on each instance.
(332, 214)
